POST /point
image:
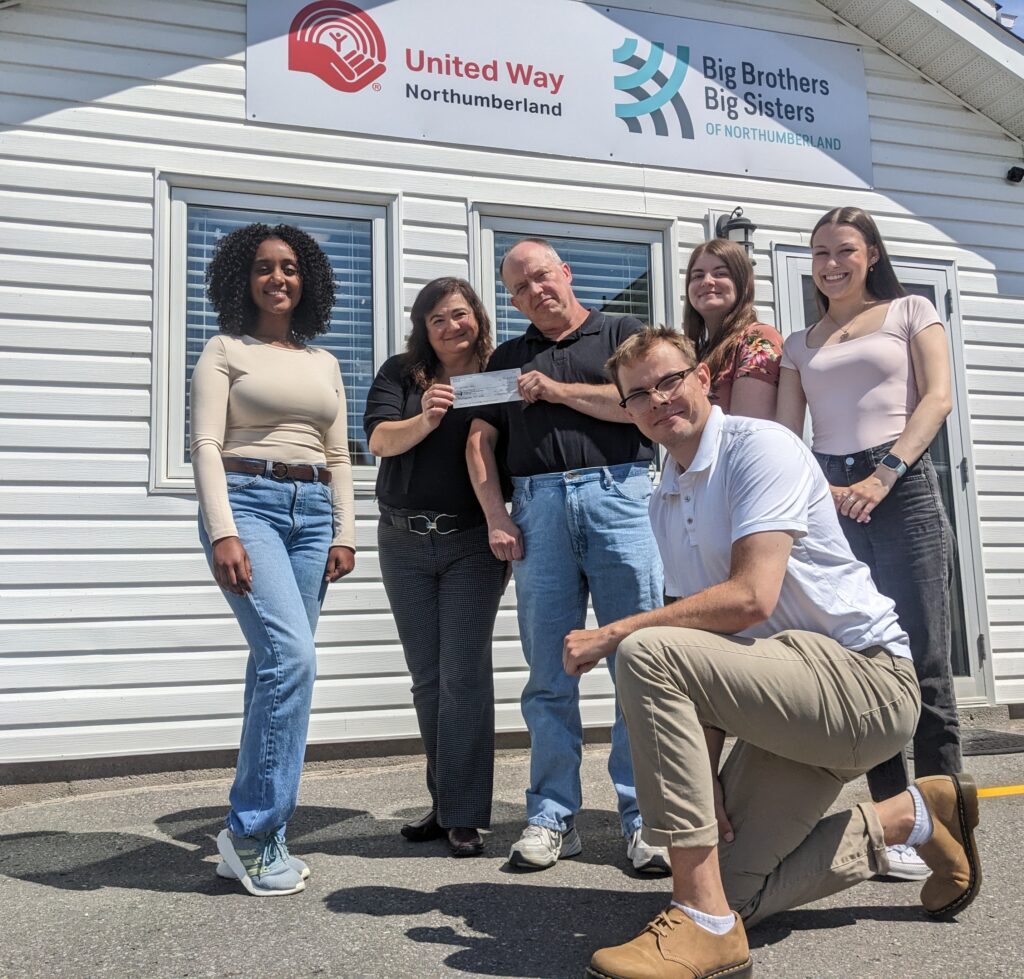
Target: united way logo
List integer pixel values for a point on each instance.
(339, 43)
(651, 89)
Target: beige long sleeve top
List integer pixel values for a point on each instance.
(253, 400)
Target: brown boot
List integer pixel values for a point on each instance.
(952, 801)
(672, 946)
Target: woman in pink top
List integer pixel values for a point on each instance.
(741, 354)
(874, 371)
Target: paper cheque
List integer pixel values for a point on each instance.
(496, 387)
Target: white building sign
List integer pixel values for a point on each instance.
(567, 79)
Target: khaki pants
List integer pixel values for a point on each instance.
(809, 716)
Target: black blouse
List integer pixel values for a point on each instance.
(431, 475)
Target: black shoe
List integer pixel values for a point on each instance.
(423, 829)
(465, 841)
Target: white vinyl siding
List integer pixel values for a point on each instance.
(113, 638)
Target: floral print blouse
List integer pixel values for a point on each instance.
(756, 354)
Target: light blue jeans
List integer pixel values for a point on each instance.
(286, 529)
(585, 532)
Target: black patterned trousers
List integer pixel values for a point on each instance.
(444, 591)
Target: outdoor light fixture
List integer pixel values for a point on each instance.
(1015, 175)
(737, 228)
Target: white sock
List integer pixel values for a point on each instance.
(717, 924)
(922, 831)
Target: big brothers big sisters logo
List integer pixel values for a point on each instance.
(651, 89)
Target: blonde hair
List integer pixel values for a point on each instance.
(639, 345)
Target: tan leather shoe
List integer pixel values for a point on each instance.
(951, 853)
(672, 946)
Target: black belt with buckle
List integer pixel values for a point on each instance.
(279, 470)
(430, 521)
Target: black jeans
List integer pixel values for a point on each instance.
(908, 545)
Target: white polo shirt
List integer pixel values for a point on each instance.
(751, 476)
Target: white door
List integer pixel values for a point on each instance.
(951, 452)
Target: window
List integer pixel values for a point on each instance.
(352, 237)
(618, 270)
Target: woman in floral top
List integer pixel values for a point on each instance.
(742, 354)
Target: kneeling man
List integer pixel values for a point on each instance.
(779, 638)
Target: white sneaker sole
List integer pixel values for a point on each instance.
(228, 855)
(656, 866)
(903, 873)
(226, 873)
(520, 861)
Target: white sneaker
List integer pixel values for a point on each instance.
(540, 847)
(646, 859)
(905, 863)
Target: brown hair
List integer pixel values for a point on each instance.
(420, 360)
(639, 345)
(715, 350)
(881, 282)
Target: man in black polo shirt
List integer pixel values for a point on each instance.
(579, 526)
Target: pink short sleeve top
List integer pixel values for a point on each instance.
(860, 393)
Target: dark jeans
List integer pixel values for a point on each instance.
(444, 591)
(908, 545)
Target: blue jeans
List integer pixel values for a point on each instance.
(286, 528)
(909, 547)
(584, 532)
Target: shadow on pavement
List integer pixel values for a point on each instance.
(523, 930)
(781, 926)
(93, 860)
(352, 832)
(90, 861)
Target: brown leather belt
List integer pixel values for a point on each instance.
(279, 470)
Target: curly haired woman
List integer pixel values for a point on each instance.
(270, 454)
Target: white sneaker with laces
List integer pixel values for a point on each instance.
(646, 859)
(540, 847)
(905, 863)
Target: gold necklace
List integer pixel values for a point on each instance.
(844, 331)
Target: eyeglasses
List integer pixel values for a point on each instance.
(640, 402)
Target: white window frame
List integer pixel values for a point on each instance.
(174, 194)
(789, 265)
(660, 233)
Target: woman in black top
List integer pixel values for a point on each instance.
(442, 581)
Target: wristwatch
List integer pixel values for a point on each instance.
(895, 464)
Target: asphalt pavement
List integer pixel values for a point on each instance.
(121, 883)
